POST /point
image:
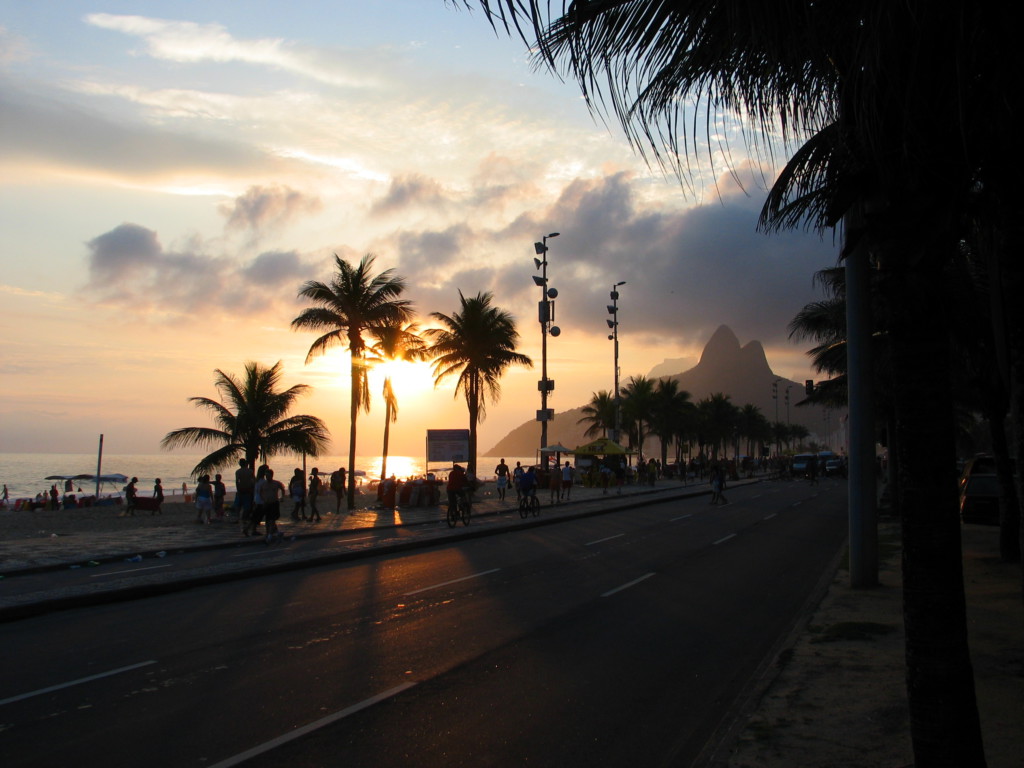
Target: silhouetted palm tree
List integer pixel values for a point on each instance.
(600, 413)
(252, 421)
(718, 417)
(477, 345)
(881, 89)
(669, 408)
(637, 405)
(395, 342)
(752, 425)
(351, 304)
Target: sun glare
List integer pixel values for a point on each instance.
(409, 380)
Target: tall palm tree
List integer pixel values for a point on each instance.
(669, 406)
(718, 415)
(637, 407)
(880, 90)
(252, 421)
(350, 305)
(600, 413)
(476, 344)
(752, 425)
(395, 342)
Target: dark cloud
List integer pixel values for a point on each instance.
(688, 270)
(129, 267)
(263, 209)
(413, 190)
(122, 252)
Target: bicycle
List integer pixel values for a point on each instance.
(529, 503)
(462, 510)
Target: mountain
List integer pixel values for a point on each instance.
(742, 372)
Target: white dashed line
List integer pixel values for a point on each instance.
(601, 541)
(453, 581)
(633, 583)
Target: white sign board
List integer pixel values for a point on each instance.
(447, 445)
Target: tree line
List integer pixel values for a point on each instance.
(365, 314)
(657, 408)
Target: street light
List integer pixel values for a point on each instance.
(546, 316)
(613, 310)
(788, 386)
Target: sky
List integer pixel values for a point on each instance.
(172, 173)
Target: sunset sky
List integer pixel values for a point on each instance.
(171, 173)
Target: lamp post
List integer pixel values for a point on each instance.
(613, 310)
(546, 316)
(788, 386)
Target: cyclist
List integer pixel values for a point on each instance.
(456, 485)
(528, 483)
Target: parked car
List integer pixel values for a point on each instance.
(979, 498)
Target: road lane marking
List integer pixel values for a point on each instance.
(677, 519)
(633, 583)
(601, 541)
(453, 581)
(720, 541)
(309, 728)
(79, 681)
(361, 538)
(769, 517)
(130, 570)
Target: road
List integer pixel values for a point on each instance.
(612, 640)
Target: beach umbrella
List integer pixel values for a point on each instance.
(603, 446)
(556, 448)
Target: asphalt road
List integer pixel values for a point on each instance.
(623, 639)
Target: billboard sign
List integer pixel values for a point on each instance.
(447, 445)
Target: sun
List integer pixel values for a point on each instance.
(409, 380)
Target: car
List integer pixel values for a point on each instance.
(801, 464)
(835, 466)
(980, 494)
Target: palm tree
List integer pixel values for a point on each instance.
(353, 303)
(476, 344)
(880, 89)
(751, 424)
(395, 342)
(252, 421)
(669, 406)
(718, 415)
(637, 405)
(600, 413)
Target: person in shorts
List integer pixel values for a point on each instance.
(566, 480)
(271, 493)
(204, 500)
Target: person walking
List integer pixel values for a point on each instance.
(554, 483)
(338, 486)
(220, 491)
(313, 495)
(567, 480)
(297, 491)
(131, 493)
(204, 500)
(158, 496)
(271, 493)
(245, 487)
(501, 472)
(517, 479)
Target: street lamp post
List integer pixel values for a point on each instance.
(788, 386)
(613, 310)
(775, 397)
(546, 316)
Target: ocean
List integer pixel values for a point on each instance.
(25, 474)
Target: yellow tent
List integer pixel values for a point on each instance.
(603, 446)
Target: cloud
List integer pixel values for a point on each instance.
(53, 134)
(188, 42)
(129, 268)
(408, 191)
(688, 270)
(267, 209)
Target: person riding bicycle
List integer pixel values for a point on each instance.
(457, 482)
(528, 483)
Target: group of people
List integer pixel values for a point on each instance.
(526, 480)
(258, 497)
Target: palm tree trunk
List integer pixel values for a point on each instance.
(945, 727)
(473, 401)
(350, 499)
(387, 435)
